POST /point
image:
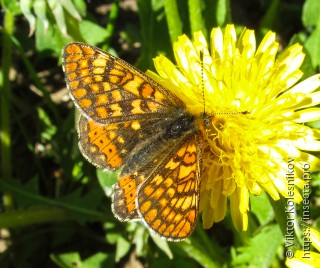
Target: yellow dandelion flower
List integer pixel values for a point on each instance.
(257, 111)
(307, 258)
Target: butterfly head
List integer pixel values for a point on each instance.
(207, 119)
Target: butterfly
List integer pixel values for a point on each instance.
(131, 123)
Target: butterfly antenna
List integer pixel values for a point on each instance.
(202, 83)
(205, 117)
(206, 120)
(242, 112)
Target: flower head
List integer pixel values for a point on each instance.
(256, 109)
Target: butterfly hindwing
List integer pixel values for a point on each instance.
(124, 197)
(108, 146)
(168, 201)
(147, 159)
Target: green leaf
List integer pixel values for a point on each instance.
(153, 21)
(81, 7)
(196, 252)
(107, 180)
(99, 259)
(284, 212)
(123, 247)
(314, 124)
(313, 47)
(162, 244)
(50, 38)
(140, 239)
(76, 206)
(261, 208)
(58, 14)
(176, 262)
(113, 15)
(67, 260)
(270, 16)
(68, 5)
(89, 202)
(310, 13)
(261, 250)
(40, 9)
(24, 195)
(92, 33)
(23, 217)
(26, 6)
(48, 130)
(11, 6)
(311, 18)
(306, 66)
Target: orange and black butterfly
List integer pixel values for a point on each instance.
(130, 122)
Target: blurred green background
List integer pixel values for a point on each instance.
(55, 209)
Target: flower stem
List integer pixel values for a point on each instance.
(196, 17)
(5, 95)
(111, 23)
(173, 19)
(17, 218)
(5, 100)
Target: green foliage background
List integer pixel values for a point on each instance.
(55, 209)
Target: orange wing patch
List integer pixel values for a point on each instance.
(108, 146)
(101, 145)
(168, 202)
(124, 198)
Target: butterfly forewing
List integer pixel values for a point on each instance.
(109, 90)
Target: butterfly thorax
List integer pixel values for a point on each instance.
(177, 126)
(167, 134)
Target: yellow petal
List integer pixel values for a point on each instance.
(307, 115)
(247, 44)
(308, 145)
(267, 42)
(299, 262)
(306, 86)
(291, 59)
(229, 42)
(216, 43)
(303, 259)
(239, 219)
